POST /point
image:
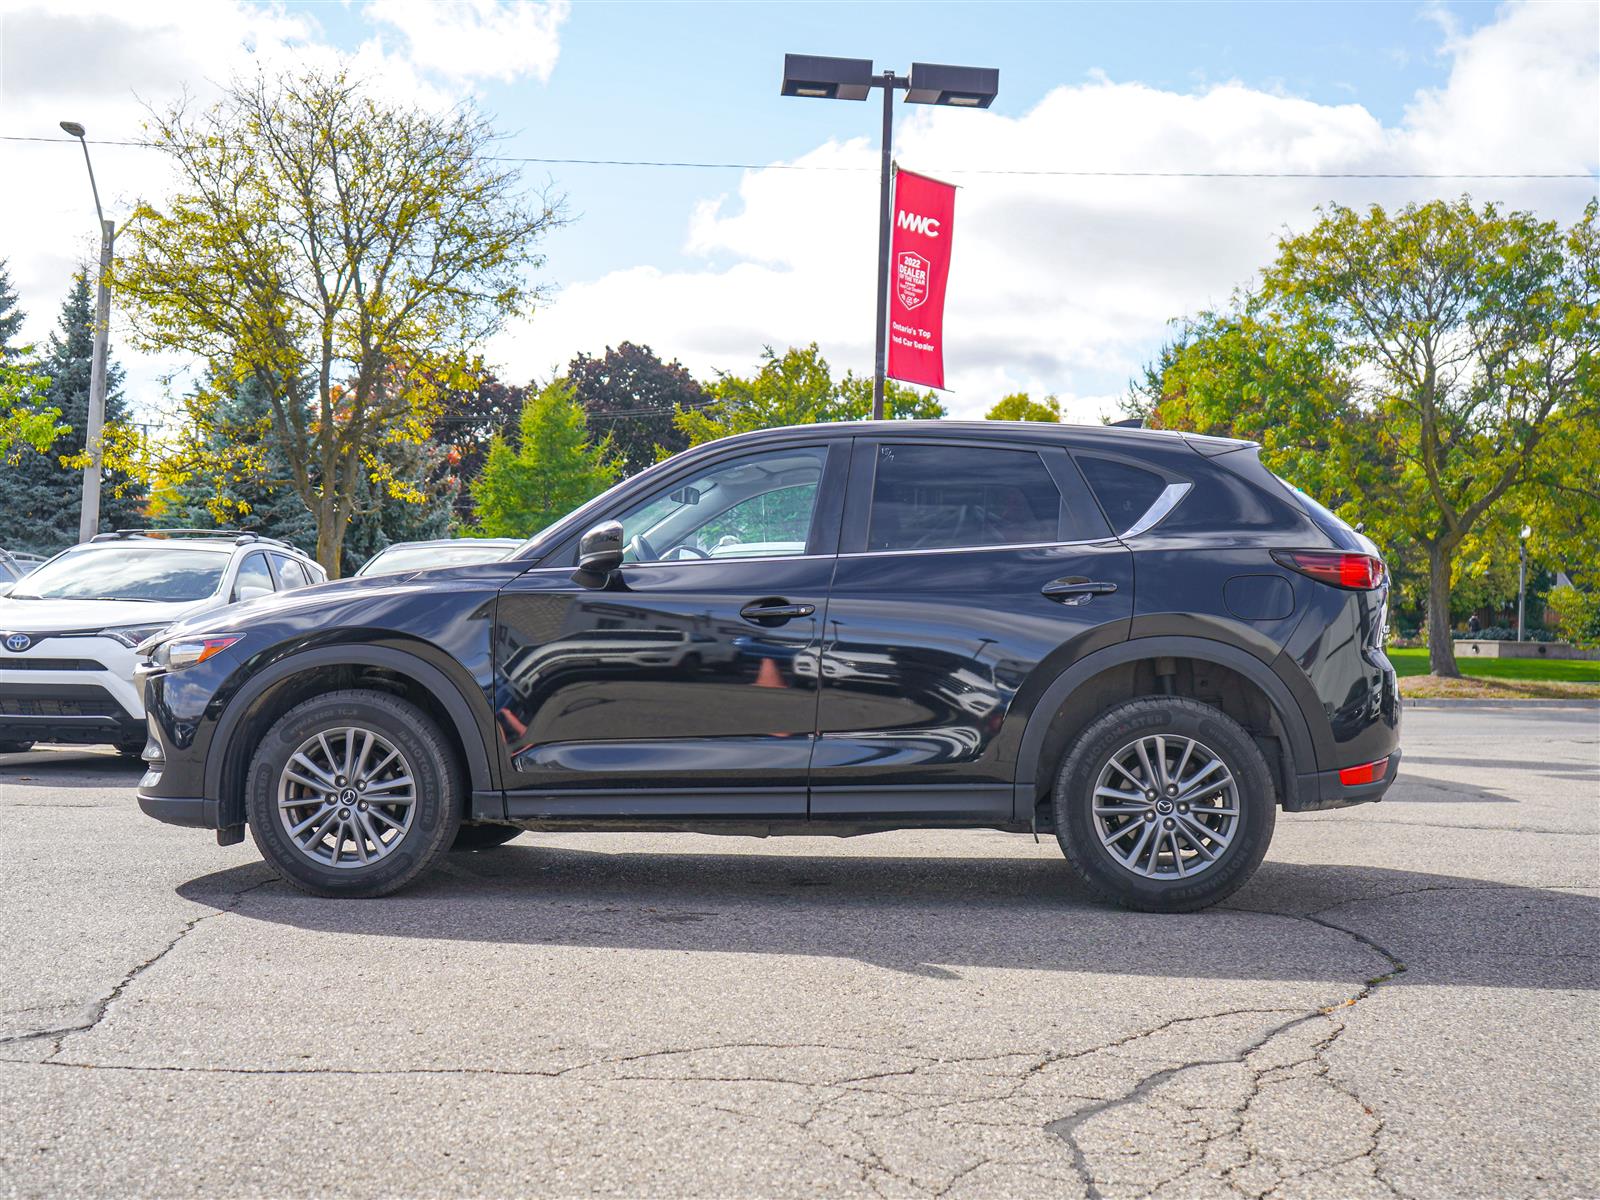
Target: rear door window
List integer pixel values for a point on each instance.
(931, 496)
(1125, 492)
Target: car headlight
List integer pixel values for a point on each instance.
(186, 652)
(131, 635)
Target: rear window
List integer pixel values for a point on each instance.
(936, 497)
(1125, 492)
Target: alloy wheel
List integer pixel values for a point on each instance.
(1166, 807)
(346, 797)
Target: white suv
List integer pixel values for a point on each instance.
(68, 630)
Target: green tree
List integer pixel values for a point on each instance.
(41, 488)
(554, 468)
(240, 477)
(1422, 371)
(11, 315)
(1019, 406)
(797, 388)
(25, 422)
(632, 395)
(471, 419)
(320, 234)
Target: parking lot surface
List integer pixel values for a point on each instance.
(1403, 1002)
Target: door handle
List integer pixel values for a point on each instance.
(1075, 590)
(775, 612)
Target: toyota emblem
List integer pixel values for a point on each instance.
(18, 642)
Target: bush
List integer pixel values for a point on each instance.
(1508, 633)
(1577, 615)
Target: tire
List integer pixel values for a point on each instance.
(15, 747)
(484, 837)
(380, 845)
(133, 750)
(1182, 844)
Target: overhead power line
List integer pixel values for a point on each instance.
(692, 165)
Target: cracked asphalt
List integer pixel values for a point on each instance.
(1402, 1003)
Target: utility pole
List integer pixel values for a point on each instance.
(89, 514)
(880, 353)
(1522, 577)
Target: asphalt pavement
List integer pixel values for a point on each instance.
(1402, 1003)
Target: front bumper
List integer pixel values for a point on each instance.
(195, 812)
(72, 688)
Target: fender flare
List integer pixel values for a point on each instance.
(480, 770)
(1252, 668)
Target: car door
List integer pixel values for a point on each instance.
(677, 688)
(968, 570)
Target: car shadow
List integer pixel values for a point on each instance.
(1415, 788)
(68, 768)
(934, 916)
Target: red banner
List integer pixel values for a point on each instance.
(919, 266)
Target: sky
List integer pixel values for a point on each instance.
(1059, 284)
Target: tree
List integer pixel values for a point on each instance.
(382, 519)
(469, 422)
(1425, 370)
(632, 395)
(555, 468)
(25, 422)
(41, 488)
(322, 236)
(10, 314)
(241, 478)
(796, 389)
(1019, 406)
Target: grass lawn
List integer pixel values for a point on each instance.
(1415, 662)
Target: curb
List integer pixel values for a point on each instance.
(1463, 702)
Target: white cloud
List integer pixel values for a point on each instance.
(1066, 284)
(477, 39)
(100, 62)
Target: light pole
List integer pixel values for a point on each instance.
(89, 516)
(1522, 576)
(822, 78)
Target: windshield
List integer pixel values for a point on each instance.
(127, 573)
(420, 558)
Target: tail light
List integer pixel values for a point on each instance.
(1372, 772)
(1356, 572)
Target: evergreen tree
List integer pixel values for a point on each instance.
(223, 494)
(10, 314)
(42, 499)
(554, 469)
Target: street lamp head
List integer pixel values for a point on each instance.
(1527, 531)
(819, 77)
(960, 87)
(73, 128)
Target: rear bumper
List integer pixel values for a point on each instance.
(1323, 789)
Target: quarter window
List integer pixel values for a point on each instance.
(1125, 492)
(932, 497)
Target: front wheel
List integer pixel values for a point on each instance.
(354, 793)
(1164, 805)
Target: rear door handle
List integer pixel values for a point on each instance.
(775, 612)
(1076, 591)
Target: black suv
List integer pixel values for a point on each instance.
(1144, 642)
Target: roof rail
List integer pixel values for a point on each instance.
(240, 536)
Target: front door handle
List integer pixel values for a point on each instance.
(1076, 590)
(775, 611)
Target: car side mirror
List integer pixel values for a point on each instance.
(250, 591)
(600, 550)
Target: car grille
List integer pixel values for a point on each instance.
(50, 664)
(58, 702)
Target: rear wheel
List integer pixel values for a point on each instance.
(1165, 805)
(483, 837)
(354, 793)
